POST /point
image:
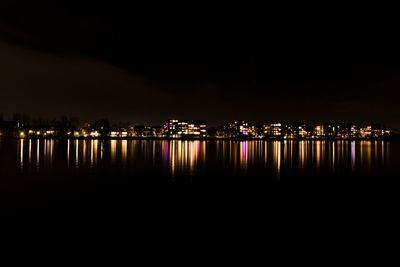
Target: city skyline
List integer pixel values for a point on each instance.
(4, 116)
(21, 127)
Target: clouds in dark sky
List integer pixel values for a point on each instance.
(114, 61)
(49, 85)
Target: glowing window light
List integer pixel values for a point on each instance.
(95, 134)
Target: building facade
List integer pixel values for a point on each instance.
(185, 129)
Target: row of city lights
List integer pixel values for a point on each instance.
(178, 129)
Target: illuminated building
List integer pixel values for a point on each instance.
(219, 132)
(238, 129)
(273, 130)
(94, 134)
(185, 128)
(148, 131)
(378, 130)
(120, 133)
(139, 131)
(158, 131)
(374, 131)
(295, 131)
(305, 131)
(318, 131)
(41, 132)
(114, 134)
(354, 132)
(84, 133)
(366, 132)
(347, 131)
(327, 130)
(330, 130)
(49, 133)
(256, 132)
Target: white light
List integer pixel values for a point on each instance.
(94, 134)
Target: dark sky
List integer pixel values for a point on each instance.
(296, 62)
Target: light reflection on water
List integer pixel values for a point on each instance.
(183, 157)
(191, 157)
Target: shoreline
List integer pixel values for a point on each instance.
(200, 139)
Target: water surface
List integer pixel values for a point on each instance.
(149, 161)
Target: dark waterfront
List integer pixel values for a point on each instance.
(27, 162)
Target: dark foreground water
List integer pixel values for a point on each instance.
(25, 162)
(41, 178)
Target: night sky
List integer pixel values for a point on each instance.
(298, 62)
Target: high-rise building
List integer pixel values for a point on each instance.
(238, 129)
(295, 130)
(326, 130)
(347, 131)
(273, 130)
(185, 128)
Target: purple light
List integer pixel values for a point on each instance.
(244, 150)
(165, 153)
